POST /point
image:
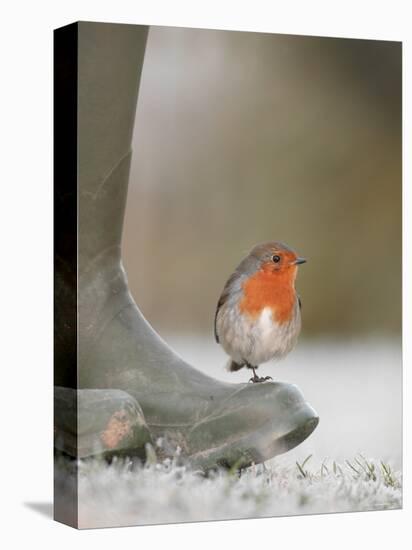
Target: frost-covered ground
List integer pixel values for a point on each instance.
(127, 494)
(356, 390)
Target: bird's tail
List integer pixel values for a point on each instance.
(233, 366)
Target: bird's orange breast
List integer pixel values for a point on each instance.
(268, 289)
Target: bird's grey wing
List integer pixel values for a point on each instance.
(231, 286)
(219, 305)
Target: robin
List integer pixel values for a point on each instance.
(258, 314)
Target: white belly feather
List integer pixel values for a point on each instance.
(256, 341)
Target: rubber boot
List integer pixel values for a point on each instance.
(214, 423)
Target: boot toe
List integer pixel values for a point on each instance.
(253, 424)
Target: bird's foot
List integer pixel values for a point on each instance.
(255, 379)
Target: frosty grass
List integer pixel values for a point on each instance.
(127, 492)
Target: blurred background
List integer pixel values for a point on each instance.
(245, 137)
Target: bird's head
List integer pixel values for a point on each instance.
(276, 258)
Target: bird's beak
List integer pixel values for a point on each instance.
(299, 261)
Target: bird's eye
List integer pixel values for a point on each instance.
(276, 258)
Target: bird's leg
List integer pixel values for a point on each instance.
(255, 378)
